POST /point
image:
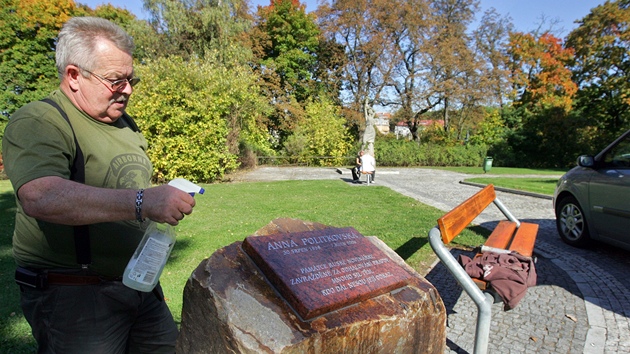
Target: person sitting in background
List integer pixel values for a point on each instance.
(368, 165)
(356, 170)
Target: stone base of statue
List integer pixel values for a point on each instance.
(237, 302)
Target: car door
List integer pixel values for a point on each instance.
(609, 193)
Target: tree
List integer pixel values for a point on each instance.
(285, 43)
(543, 95)
(602, 67)
(201, 28)
(356, 26)
(386, 44)
(453, 74)
(491, 42)
(540, 74)
(28, 29)
(288, 42)
(408, 28)
(328, 74)
(412, 55)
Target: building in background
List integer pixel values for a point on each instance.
(402, 130)
(382, 122)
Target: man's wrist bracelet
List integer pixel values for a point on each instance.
(139, 197)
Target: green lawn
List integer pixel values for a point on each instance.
(229, 212)
(502, 177)
(503, 170)
(535, 185)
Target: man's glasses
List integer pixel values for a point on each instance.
(118, 85)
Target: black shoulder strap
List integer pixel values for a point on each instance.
(77, 171)
(77, 174)
(132, 123)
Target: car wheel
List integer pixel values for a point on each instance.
(571, 223)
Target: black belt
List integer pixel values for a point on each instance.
(77, 279)
(42, 279)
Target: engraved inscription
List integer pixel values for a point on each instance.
(320, 271)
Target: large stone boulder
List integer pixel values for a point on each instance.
(229, 307)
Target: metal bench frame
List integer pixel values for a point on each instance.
(368, 177)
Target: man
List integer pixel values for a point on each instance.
(73, 307)
(368, 165)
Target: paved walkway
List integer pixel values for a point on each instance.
(581, 303)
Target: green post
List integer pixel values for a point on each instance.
(487, 164)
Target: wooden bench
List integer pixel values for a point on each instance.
(509, 235)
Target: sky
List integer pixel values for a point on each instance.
(525, 14)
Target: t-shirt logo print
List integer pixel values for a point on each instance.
(129, 171)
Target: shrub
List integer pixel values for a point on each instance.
(323, 134)
(393, 152)
(186, 109)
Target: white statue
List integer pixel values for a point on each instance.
(370, 133)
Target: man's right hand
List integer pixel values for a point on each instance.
(166, 204)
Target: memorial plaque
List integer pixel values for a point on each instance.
(320, 271)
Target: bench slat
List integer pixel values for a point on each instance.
(524, 239)
(501, 235)
(481, 284)
(453, 222)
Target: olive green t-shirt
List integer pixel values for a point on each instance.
(38, 142)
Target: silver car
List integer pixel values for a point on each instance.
(592, 200)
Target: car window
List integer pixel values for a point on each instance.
(619, 155)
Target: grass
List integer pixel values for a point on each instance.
(227, 213)
(535, 185)
(503, 170)
(15, 333)
(500, 178)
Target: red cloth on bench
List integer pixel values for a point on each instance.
(509, 274)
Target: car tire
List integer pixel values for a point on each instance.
(571, 222)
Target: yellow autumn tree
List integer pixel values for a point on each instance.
(542, 78)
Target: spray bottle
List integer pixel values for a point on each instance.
(145, 266)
